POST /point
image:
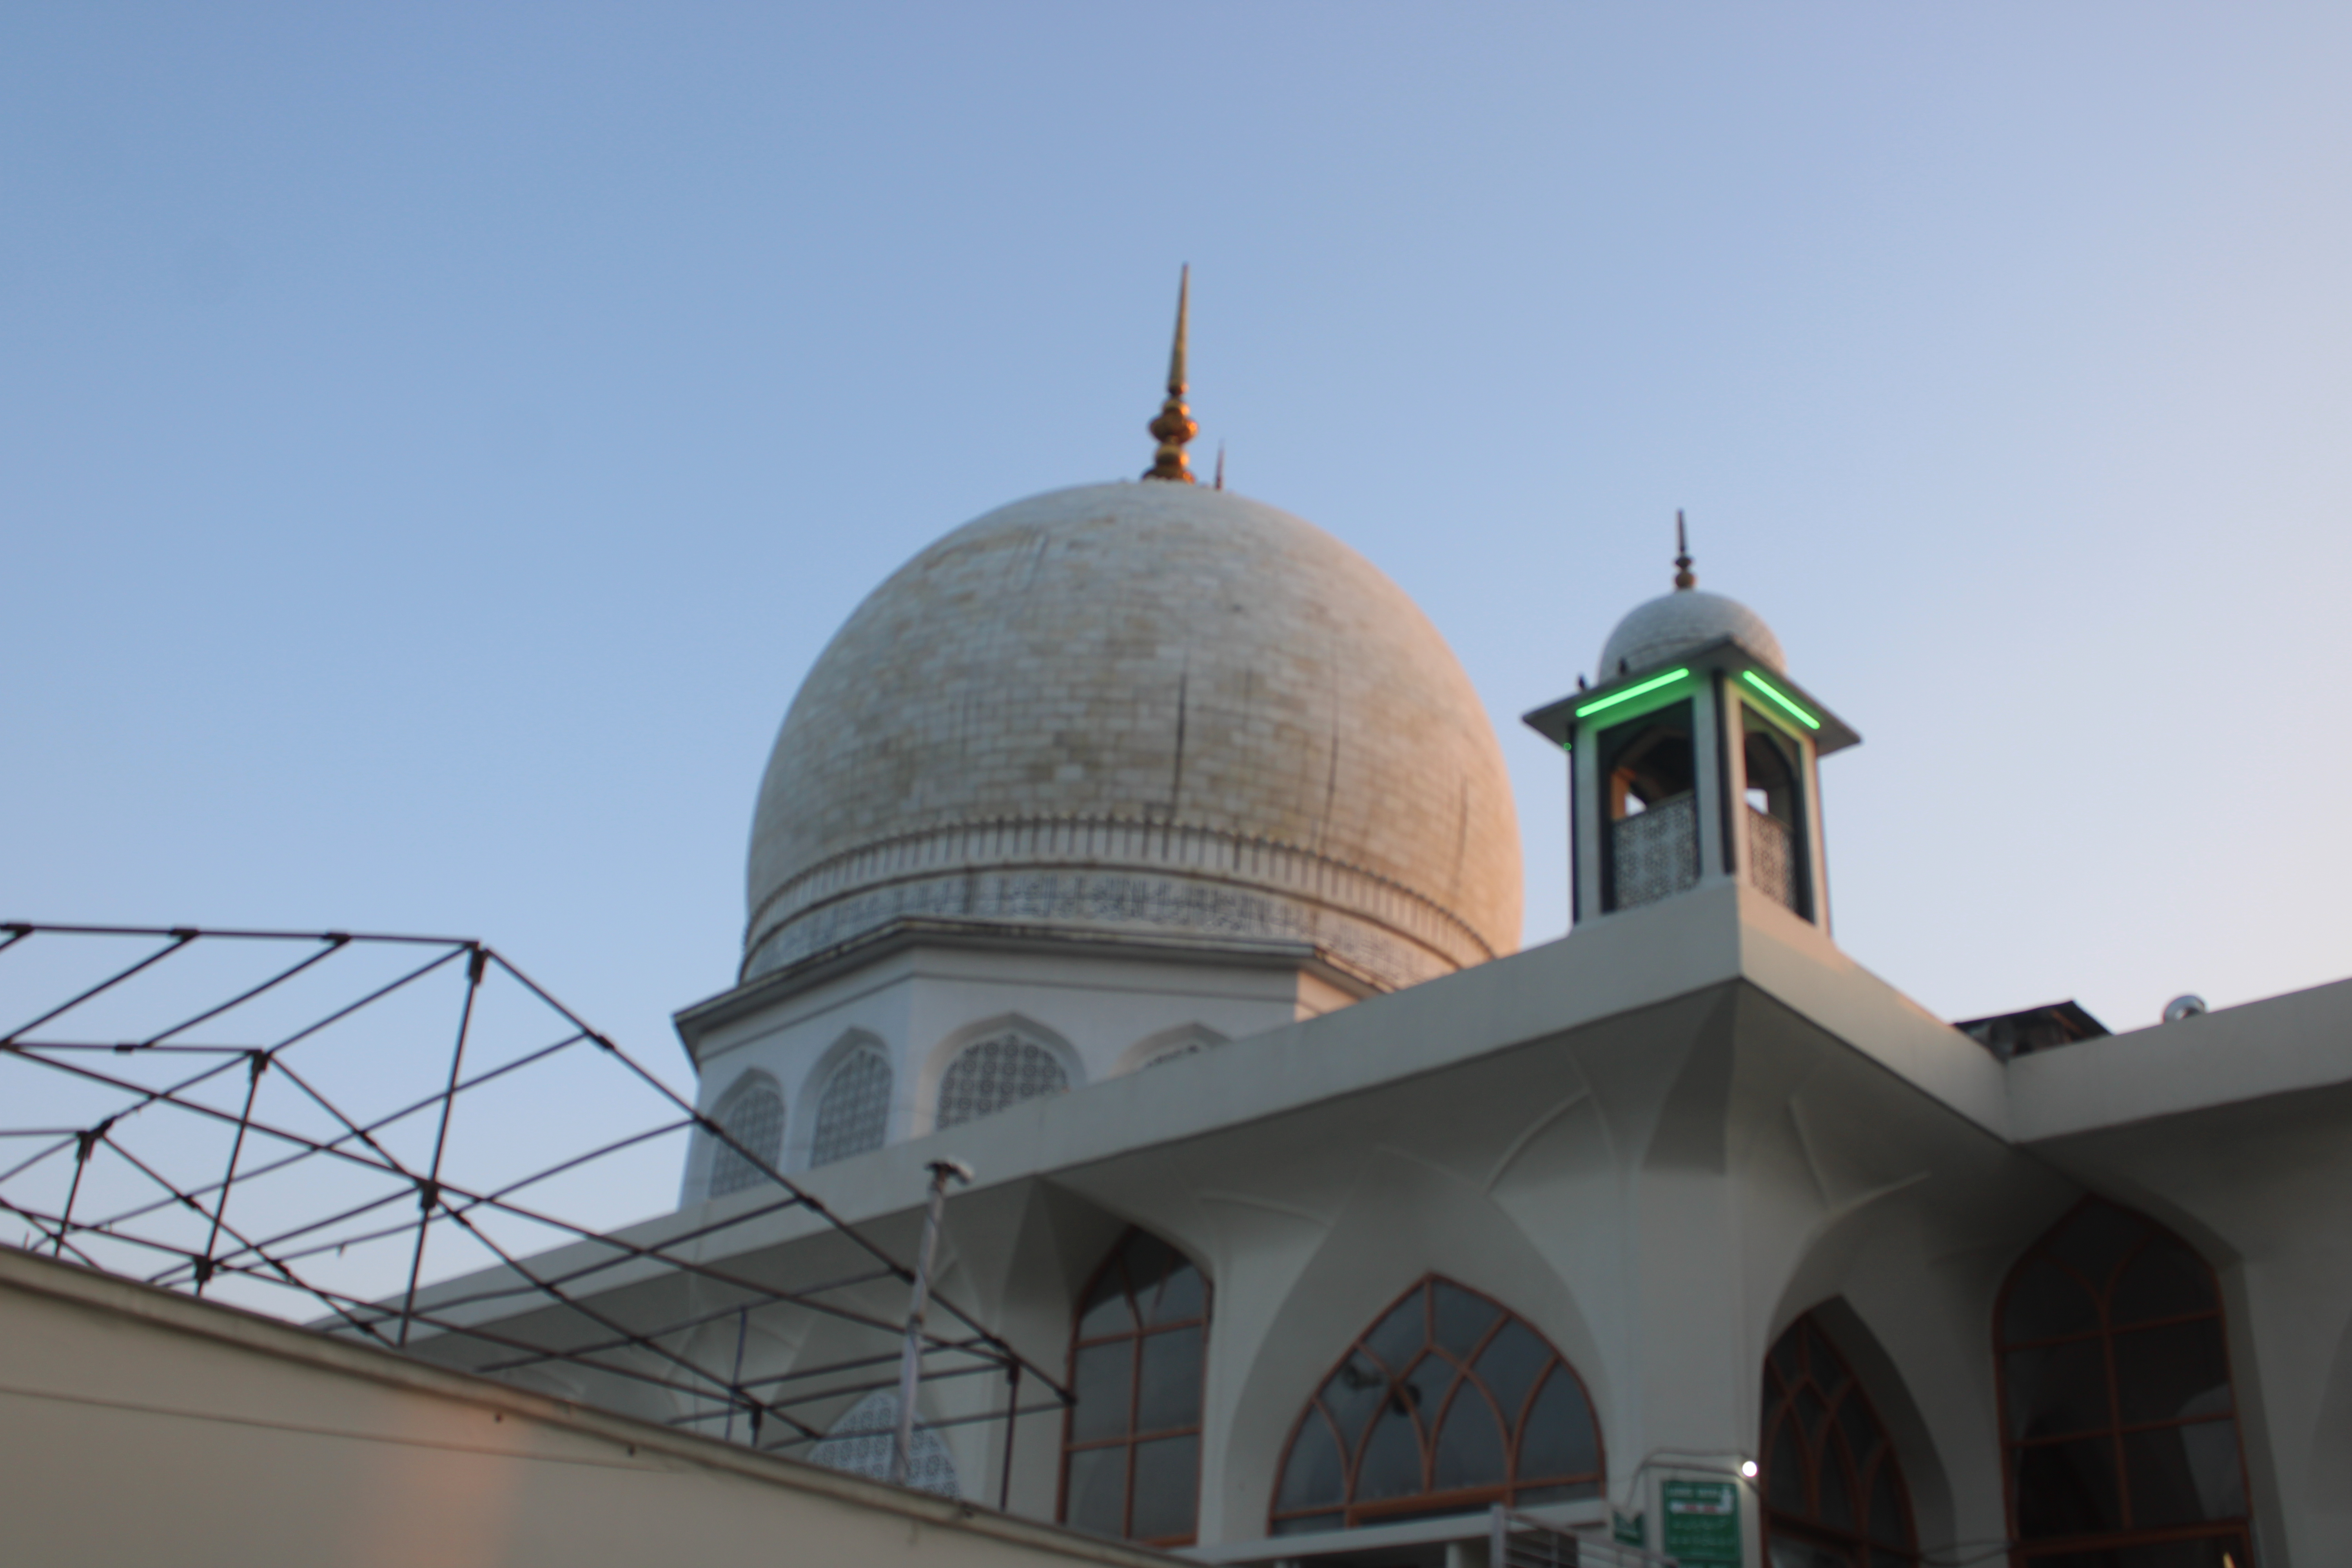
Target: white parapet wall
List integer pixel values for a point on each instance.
(139, 1426)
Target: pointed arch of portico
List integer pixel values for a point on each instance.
(1889, 1392)
(1285, 1321)
(2161, 1390)
(1908, 1334)
(2138, 1179)
(1029, 1250)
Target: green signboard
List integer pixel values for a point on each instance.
(1702, 1522)
(1628, 1530)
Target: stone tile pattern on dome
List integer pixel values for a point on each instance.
(1039, 663)
(1671, 624)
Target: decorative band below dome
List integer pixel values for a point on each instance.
(1100, 876)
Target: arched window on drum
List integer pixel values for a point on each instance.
(752, 1114)
(2119, 1418)
(854, 1111)
(1131, 1448)
(990, 1074)
(1834, 1491)
(1448, 1403)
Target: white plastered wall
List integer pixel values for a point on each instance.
(920, 1005)
(139, 1428)
(1661, 1141)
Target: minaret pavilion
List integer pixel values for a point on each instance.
(1695, 761)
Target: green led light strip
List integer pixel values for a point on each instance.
(1631, 692)
(1768, 690)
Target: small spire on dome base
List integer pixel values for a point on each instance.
(1684, 577)
(1174, 426)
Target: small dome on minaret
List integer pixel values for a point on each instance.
(1671, 624)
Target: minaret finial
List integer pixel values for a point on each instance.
(1221, 465)
(1174, 426)
(1683, 576)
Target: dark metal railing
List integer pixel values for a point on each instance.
(1773, 856)
(1516, 1540)
(1655, 852)
(407, 1141)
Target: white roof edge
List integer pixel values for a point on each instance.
(1604, 969)
(2281, 1045)
(1794, 961)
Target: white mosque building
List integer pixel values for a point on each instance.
(1145, 847)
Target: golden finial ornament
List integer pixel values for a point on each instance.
(1684, 578)
(1174, 426)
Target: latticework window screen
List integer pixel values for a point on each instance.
(991, 1074)
(753, 1112)
(860, 1444)
(1656, 851)
(855, 1110)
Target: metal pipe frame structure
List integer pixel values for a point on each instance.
(160, 1087)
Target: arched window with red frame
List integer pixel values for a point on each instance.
(1448, 1403)
(1834, 1491)
(1131, 1444)
(2119, 1423)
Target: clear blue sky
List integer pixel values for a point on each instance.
(435, 439)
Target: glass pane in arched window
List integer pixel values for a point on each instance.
(1131, 1449)
(1470, 1444)
(752, 1114)
(2119, 1417)
(991, 1074)
(1834, 1491)
(1560, 1439)
(1448, 1403)
(855, 1108)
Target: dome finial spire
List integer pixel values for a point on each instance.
(1174, 426)
(1684, 578)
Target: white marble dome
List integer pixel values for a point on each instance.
(1673, 624)
(1143, 710)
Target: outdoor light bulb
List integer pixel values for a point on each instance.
(1747, 1468)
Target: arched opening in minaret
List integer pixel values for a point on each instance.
(1649, 773)
(1776, 816)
